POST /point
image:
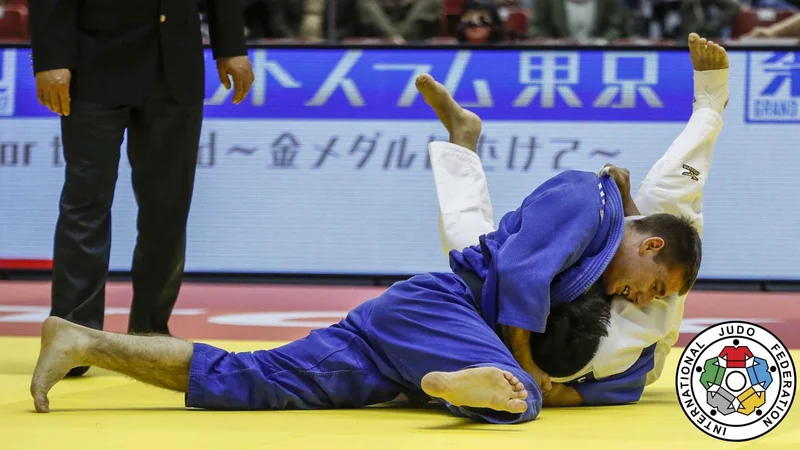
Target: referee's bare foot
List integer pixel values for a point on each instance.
(464, 126)
(482, 387)
(706, 55)
(62, 348)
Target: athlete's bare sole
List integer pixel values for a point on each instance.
(464, 126)
(706, 55)
(481, 387)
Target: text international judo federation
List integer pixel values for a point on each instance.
(736, 381)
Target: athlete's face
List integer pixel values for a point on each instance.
(635, 274)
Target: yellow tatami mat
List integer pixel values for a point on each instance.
(106, 411)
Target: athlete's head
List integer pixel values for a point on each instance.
(572, 334)
(659, 256)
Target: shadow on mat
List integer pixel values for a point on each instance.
(435, 409)
(466, 424)
(385, 410)
(377, 409)
(120, 410)
(658, 398)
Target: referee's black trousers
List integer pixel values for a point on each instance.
(163, 141)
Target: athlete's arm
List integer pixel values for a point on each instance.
(675, 186)
(561, 395)
(519, 343)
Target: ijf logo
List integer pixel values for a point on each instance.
(773, 87)
(736, 381)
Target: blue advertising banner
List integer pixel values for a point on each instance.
(379, 84)
(324, 167)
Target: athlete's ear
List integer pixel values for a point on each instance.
(652, 245)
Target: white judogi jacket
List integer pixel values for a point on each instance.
(465, 213)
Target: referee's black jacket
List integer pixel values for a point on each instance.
(113, 47)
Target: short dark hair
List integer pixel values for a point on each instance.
(683, 245)
(572, 334)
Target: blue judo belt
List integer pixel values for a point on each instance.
(475, 285)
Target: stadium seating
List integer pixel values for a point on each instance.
(748, 19)
(517, 24)
(14, 22)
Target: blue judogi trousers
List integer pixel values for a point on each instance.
(381, 349)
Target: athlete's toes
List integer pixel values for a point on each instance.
(521, 393)
(424, 79)
(41, 402)
(719, 53)
(516, 406)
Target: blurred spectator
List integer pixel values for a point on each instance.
(399, 20)
(663, 18)
(775, 4)
(480, 23)
(311, 26)
(786, 28)
(638, 18)
(340, 20)
(706, 17)
(514, 4)
(279, 19)
(273, 19)
(526, 4)
(582, 20)
(515, 15)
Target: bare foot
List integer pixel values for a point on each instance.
(710, 62)
(482, 387)
(62, 345)
(464, 126)
(706, 55)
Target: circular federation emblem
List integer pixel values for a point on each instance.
(736, 381)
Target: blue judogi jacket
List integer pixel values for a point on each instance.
(547, 252)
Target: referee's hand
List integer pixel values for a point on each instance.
(52, 90)
(238, 68)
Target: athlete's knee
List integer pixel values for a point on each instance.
(388, 311)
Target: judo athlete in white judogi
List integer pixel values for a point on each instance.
(639, 337)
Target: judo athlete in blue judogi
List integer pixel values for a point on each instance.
(452, 337)
(423, 339)
(435, 336)
(639, 337)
